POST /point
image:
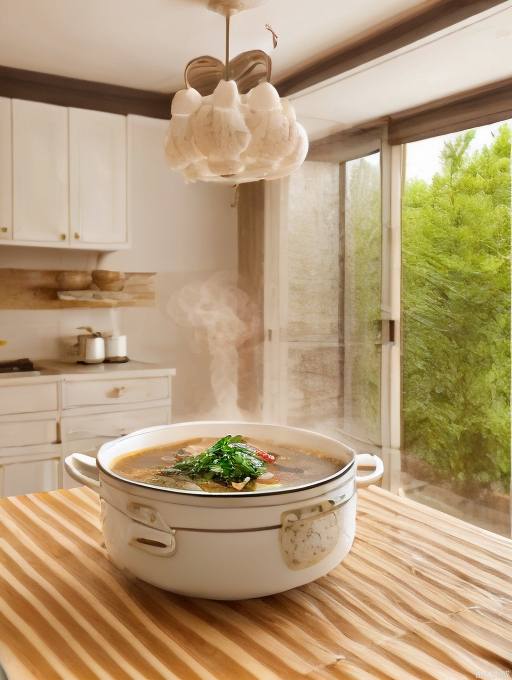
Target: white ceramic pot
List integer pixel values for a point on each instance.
(226, 546)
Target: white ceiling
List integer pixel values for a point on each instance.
(147, 43)
(469, 54)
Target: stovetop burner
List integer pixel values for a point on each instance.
(17, 366)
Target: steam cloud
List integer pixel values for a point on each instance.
(218, 308)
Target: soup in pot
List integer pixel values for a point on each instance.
(227, 465)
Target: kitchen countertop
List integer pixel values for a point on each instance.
(125, 370)
(421, 595)
(58, 370)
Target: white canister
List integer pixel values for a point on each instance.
(94, 349)
(116, 347)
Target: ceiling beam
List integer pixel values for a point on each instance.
(402, 32)
(83, 94)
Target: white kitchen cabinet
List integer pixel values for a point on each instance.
(111, 424)
(114, 391)
(87, 433)
(63, 177)
(71, 408)
(31, 473)
(97, 178)
(30, 449)
(28, 397)
(5, 169)
(28, 429)
(40, 173)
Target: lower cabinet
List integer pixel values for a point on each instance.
(112, 424)
(86, 433)
(43, 421)
(23, 472)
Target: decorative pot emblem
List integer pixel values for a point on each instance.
(309, 534)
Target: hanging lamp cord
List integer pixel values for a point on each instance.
(275, 37)
(226, 66)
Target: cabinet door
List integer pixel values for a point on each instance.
(5, 169)
(40, 172)
(23, 477)
(97, 177)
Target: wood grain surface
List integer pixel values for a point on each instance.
(37, 289)
(421, 595)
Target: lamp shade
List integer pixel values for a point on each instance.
(233, 138)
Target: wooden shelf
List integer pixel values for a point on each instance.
(37, 289)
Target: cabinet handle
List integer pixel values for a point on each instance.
(63, 237)
(4, 230)
(118, 391)
(76, 235)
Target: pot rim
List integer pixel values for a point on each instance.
(215, 494)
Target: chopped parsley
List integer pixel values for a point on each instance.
(226, 461)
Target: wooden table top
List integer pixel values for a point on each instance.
(421, 595)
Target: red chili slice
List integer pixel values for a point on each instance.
(264, 456)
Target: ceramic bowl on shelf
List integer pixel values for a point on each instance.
(226, 546)
(73, 280)
(108, 280)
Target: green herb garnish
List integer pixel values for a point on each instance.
(229, 460)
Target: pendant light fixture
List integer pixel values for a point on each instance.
(229, 124)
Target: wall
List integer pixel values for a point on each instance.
(185, 233)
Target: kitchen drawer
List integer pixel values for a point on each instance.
(27, 432)
(94, 392)
(32, 476)
(111, 425)
(28, 398)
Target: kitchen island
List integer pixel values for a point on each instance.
(421, 595)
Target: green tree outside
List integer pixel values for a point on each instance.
(456, 304)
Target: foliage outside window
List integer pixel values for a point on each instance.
(456, 308)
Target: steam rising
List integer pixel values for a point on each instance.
(220, 310)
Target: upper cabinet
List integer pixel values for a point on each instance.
(62, 177)
(5, 169)
(40, 172)
(97, 177)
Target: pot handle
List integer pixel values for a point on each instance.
(152, 541)
(369, 460)
(83, 470)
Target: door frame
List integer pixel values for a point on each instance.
(275, 301)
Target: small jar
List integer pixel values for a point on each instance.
(116, 348)
(94, 350)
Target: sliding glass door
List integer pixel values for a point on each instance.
(387, 313)
(323, 299)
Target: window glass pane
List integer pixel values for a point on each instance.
(312, 281)
(456, 316)
(362, 295)
(329, 356)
